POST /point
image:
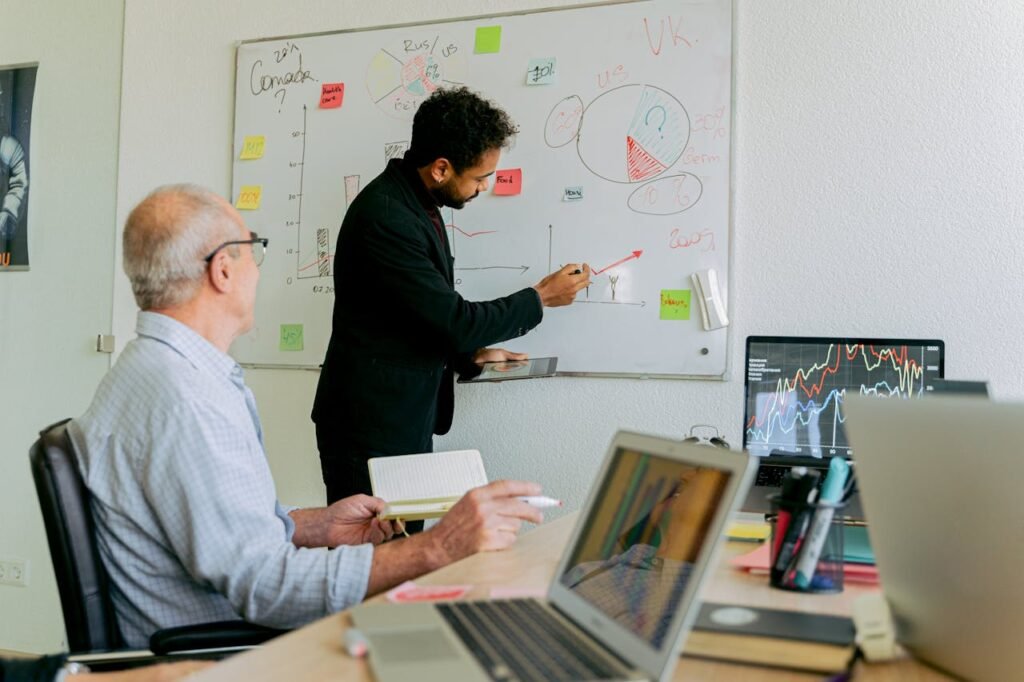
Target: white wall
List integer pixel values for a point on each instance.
(49, 316)
(877, 192)
(878, 170)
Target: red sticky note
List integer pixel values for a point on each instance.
(508, 181)
(331, 95)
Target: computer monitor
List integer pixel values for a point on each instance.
(795, 387)
(959, 387)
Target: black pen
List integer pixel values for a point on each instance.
(807, 491)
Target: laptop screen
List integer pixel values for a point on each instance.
(795, 387)
(638, 546)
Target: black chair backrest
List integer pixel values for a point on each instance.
(89, 617)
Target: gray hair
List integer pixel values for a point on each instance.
(166, 238)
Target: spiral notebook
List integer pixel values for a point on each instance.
(425, 486)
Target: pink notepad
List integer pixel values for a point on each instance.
(756, 563)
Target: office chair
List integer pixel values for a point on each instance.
(89, 617)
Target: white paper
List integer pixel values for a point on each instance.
(428, 476)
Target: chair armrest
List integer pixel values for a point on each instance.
(228, 634)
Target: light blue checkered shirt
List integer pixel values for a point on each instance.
(187, 518)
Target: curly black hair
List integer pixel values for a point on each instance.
(459, 125)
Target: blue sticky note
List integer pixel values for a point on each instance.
(541, 72)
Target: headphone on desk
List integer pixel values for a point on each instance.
(715, 441)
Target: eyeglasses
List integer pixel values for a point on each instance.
(259, 248)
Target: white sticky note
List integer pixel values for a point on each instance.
(573, 194)
(541, 72)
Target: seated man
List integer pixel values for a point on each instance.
(171, 448)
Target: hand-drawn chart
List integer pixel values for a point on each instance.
(621, 162)
(652, 140)
(404, 74)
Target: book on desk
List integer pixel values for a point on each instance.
(772, 637)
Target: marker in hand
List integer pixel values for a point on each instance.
(540, 501)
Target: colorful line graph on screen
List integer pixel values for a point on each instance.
(796, 394)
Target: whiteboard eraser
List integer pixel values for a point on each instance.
(709, 297)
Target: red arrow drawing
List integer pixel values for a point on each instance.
(636, 254)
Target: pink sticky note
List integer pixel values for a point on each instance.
(331, 95)
(508, 182)
(411, 592)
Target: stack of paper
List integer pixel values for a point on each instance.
(756, 563)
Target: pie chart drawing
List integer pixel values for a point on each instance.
(632, 133)
(398, 79)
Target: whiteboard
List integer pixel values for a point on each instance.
(623, 148)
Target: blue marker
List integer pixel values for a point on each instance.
(831, 493)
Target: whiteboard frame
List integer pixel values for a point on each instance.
(724, 376)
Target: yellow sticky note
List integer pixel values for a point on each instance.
(488, 40)
(748, 532)
(249, 197)
(252, 147)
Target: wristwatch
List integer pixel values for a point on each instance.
(70, 668)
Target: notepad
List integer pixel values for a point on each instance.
(771, 637)
(425, 486)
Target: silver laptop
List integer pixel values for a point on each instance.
(941, 482)
(622, 598)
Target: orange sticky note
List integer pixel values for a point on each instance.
(331, 95)
(508, 182)
(249, 197)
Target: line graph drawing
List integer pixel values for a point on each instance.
(805, 410)
(401, 75)
(633, 256)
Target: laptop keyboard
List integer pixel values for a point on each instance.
(771, 477)
(520, 640)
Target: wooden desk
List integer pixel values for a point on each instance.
(315, 653)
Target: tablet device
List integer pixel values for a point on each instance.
(511, 369)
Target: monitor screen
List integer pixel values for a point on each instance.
(795, 387)
(638, 546)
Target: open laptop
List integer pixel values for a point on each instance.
(959, 387)
(795, 388)
(623, 595)
(941, 484)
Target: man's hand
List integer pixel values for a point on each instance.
(497, 355)
(485, 519)
(351, 521)
(560, 288)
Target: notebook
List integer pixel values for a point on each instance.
(772, 637)
(623, 595)
(425, 486)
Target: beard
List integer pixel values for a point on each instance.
(445, 195)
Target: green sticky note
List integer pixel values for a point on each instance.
(291, 337)
(488, 40)
(675, 304)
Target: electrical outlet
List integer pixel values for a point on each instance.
(14, 572)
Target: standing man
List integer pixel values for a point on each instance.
(400, 329)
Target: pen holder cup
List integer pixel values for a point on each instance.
(807, 547)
